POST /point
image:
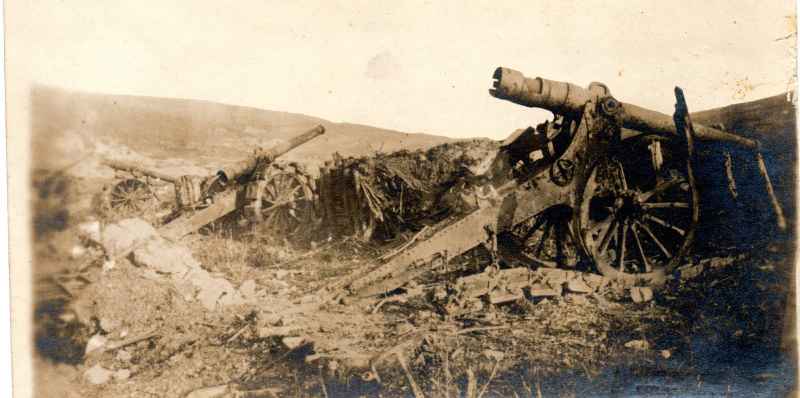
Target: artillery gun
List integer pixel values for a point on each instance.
(612, 180)
(279, 197)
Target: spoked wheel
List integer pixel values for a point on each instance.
(287, 203)
(130, 197)
(547, 237)
(637, 222)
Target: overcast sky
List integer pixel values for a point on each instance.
(414, 66)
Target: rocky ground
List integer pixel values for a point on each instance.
(221, 314)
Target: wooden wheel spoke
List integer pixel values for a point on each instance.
(665, 205)
(635, 232)
(287, 200)
(269, 189)
(141, 196)
(664, 224)
(280, 218)
(117, 199)
(654, 239)
(570, 232)
(120, 197)
(660, 188)
(270, 218)
(622, 177)
(547, 227)
(612, 230)
(623, 239)
(560, 237)
(536, 225)
(286, 182)
(279, 184)
(289, 191)
(292, 196)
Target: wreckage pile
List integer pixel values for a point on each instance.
(387, 194)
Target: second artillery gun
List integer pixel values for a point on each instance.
(612, 180)
(277, 196)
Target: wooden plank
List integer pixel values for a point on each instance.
(188, 223)
(456, 238)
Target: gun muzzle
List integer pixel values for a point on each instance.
(558, 97)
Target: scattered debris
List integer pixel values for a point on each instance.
(96, 342)
(640, 294)
(640, 345)
(232, 391)
(123, 356)
(122, 375)
(690, 271)
(539, 290)
(577, 285)
(210, 392)
(98, 375)
(248, 290)
(293, 342)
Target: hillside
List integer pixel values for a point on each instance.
(70, 125)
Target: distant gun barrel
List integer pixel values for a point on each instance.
(138, 170)
(247, 166)
(295, 142)
(569, 99)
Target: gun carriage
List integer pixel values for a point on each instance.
(277, 197)
(605, 183)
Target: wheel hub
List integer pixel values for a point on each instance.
(627, 206)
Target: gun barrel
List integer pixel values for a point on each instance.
(569, 99)
(248, 165)
(132, 168)
(295, 142)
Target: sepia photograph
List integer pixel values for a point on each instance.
(402, 199)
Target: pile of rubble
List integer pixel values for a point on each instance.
(138, 302)
(154, 312)
(158, 259)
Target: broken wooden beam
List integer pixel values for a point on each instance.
(192, 221)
